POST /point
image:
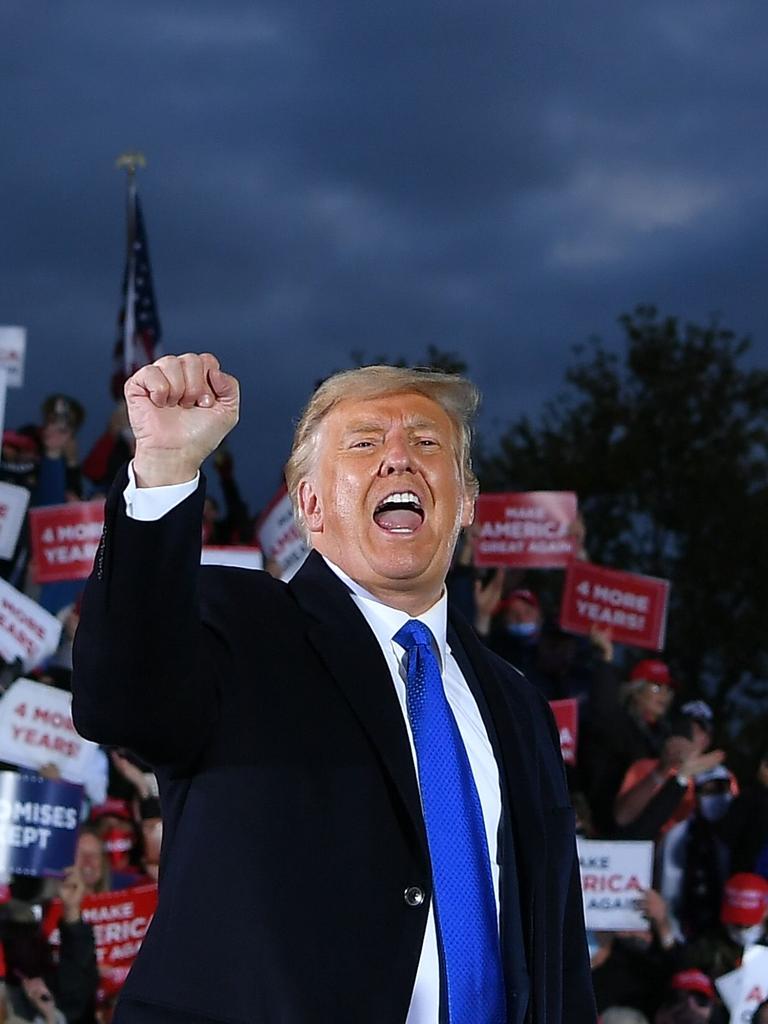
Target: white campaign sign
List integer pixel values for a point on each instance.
(279, 536)
(36, 729)
(27, 631)
(13, 508)
(13, 344)
(614, 876)
(744, 989)
(3, 396)
(236, 555)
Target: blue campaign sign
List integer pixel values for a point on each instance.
(39, 819)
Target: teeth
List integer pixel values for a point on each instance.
(403, 498)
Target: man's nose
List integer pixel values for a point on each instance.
(397, 457)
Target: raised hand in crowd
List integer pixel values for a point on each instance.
(132, 774)
(487, 597)
(71, 894)
(50, 771)
(696, 762)
(601, 638)
(679, 757)
(180, 409)
(654, 907)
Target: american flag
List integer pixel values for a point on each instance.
(138, 323)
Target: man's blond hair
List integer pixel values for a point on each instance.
(456, 395)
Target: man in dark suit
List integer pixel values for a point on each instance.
(366, 819)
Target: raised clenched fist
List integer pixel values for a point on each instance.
(180, 408)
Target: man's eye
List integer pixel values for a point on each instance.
(363, 444)
(427, 442)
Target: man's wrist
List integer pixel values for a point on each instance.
(162, 470)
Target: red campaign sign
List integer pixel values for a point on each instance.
(120, 921)
(633, 606)
(64, 540)
(530, 530)
(566, 714)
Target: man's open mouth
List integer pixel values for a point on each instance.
(400, 512)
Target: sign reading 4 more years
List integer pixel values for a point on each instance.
(36, 729)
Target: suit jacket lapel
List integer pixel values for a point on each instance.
(511, 731)
(350, 651)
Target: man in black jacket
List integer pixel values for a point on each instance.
(320, 808)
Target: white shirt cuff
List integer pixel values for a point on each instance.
(151, 503)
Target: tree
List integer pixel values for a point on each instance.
(666, 444)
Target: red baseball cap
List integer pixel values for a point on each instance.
(745, 900)
(693, 981)
(22, 441)
(652, 670)
(521, 594)
(112, 807)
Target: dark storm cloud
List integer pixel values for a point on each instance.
(499, 179)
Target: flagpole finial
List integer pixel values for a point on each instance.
(131, 162)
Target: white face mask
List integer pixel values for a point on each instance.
(713, 806)
(523, 629)
(743, 935)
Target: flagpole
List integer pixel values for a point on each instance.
(139, 330)
(130, 161)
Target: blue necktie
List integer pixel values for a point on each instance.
(465, 906)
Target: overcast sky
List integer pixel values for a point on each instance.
(499, 179)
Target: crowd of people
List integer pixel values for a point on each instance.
(648, 768)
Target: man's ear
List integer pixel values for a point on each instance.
(467, 510)
(309, 503)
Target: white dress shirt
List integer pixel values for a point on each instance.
(152, 503)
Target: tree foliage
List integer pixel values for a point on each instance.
(666, 444)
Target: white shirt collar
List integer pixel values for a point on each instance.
(385, 621)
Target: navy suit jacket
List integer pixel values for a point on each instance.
(292, 819)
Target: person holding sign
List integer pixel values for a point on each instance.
(371, 825)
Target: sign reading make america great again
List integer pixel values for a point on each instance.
(566, 714)
(279, 537)
(525, 530)
(64, 540)
(119, 921)
(634, 607)
(614, 878)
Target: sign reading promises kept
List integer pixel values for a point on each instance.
(38, 824)
(525, 529)
(633, 606)
(64, 540)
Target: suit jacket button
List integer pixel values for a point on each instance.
(413, 896)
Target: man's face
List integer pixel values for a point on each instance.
(385, 497)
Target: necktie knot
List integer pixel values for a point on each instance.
(415, 634)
